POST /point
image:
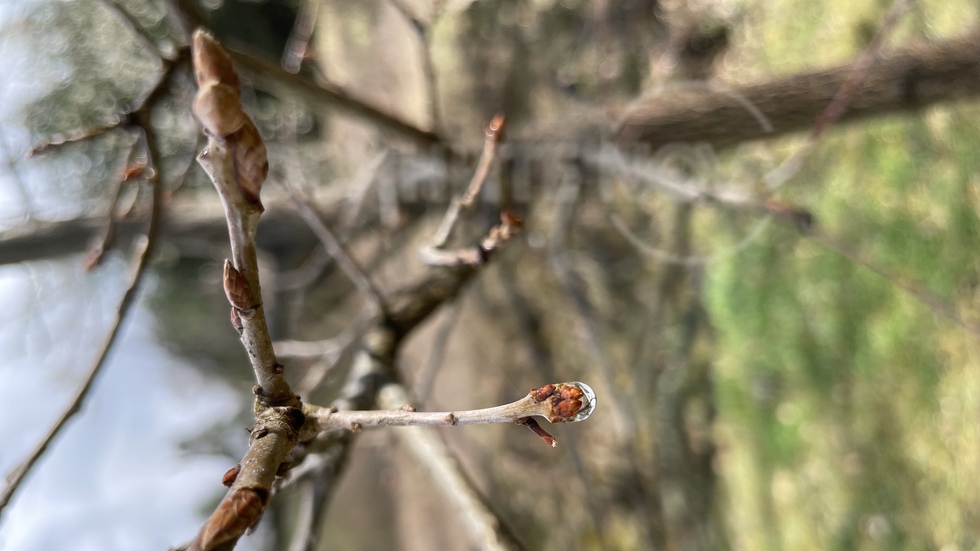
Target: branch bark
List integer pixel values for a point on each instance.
(907, 79)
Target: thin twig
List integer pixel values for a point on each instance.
(838, 105)
(336, 250)
(437, 351)
(922, 295)
(558, 403)
(564, 207)
(235, 160)
(142, 250)
(299, 38)
(485, 529)
(493, 132)
(97, 253)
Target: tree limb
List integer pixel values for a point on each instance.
(907, 79)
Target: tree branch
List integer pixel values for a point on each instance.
(235, 159)
(143, 251)
(558, 403)
(907, 79)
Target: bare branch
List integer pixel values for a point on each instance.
(235, 159)
(494, 133)
(907, 79)
(299, 39)
(484, 527)
(558, 403)
(336, 250)
(143, 250)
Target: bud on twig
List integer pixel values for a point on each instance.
(250, 160)
(211, 62)
(238, 511)
(236, 289)
(219, 109)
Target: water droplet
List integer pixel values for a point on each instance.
(588, 403)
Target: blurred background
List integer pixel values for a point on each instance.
(785, 357)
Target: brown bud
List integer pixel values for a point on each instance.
(543, 393)
(236, 288)
(219, 109)
(230, 475)
(283, 468)
(251, 162)
(238, 511)
(511, 220)
(211, 62)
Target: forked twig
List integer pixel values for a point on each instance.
(432, 253)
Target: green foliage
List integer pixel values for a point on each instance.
(847, 398)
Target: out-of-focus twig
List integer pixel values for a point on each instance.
(437, 351)
(336, 250)
(299, 39)
(564, 207)
(143, 252)
(838, 105)
(493, 133)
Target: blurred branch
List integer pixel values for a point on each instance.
(298, 44)
(437, 352)
(485, 529)
(907, 79)
(270, 77)
(336, 251)
(842, 99)
(433, 253)
(143, 251)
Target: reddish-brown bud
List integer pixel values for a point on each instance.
(543, 393)
(250, 161)
(511, 220)
(530, 423)
(566, 402)
(238, 511)
(230, 475)
(236, 288)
